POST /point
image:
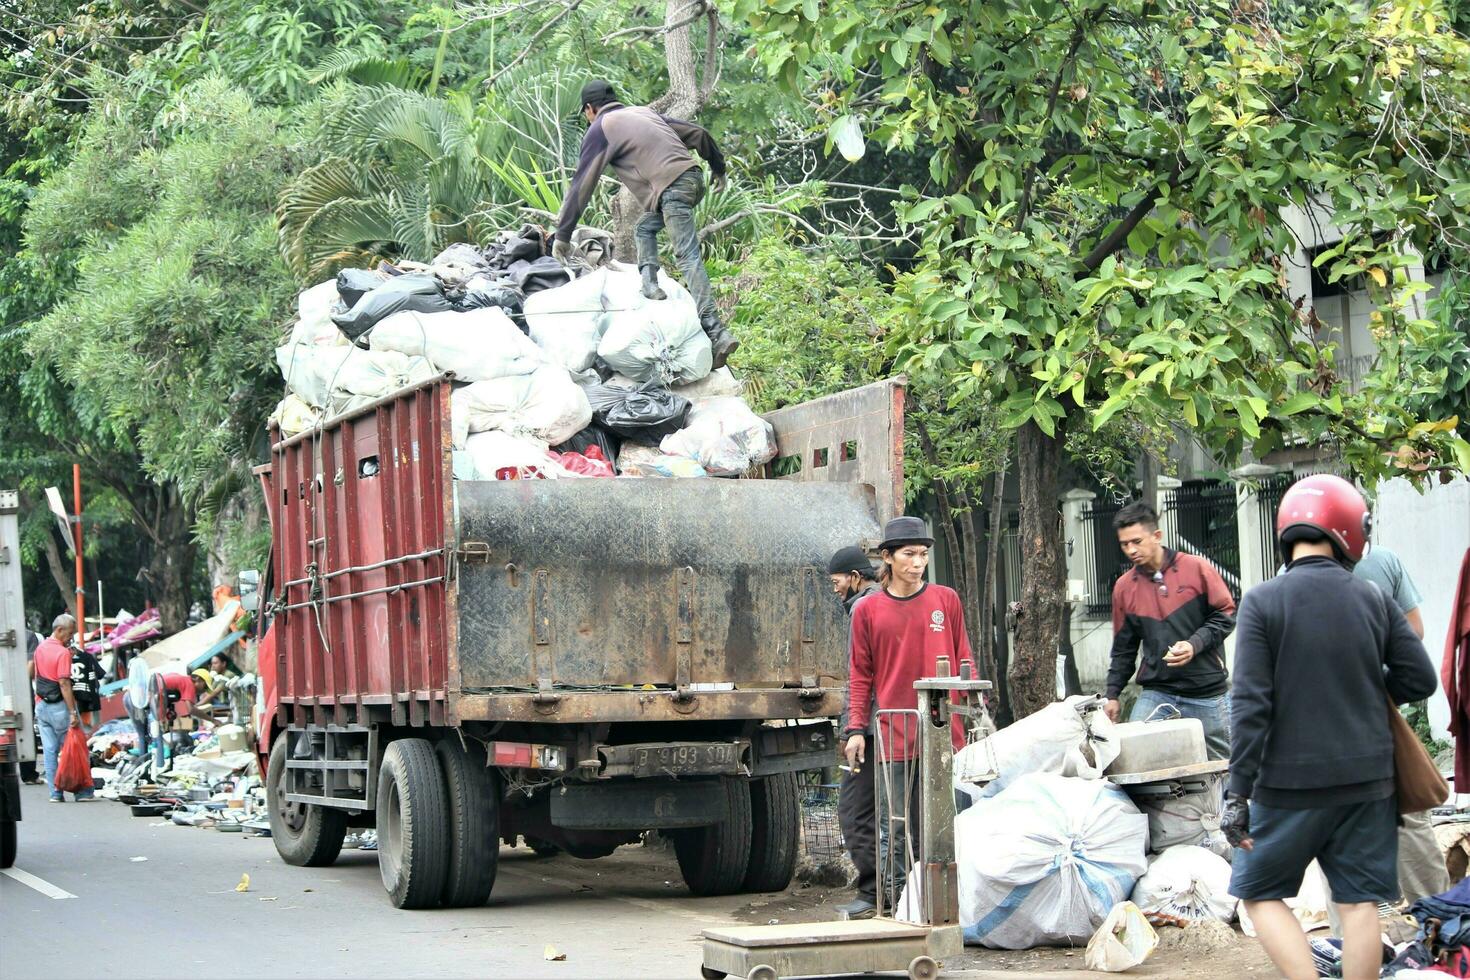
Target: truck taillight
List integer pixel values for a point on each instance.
(526, 755)
(7, 736)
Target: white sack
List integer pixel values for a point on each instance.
(1191, 819)
(1056, 739)
(567, 322)
(1309, 906)
(546, 405)
(492, 451)
(294, 416)
(716, 384)
(724, 436)
(314, 308)
(477, 345)
(1188, 882)
(652, 340)
(1044, 862)
(1123, 941)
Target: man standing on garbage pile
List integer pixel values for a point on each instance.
(1422, 870)
(650, 154)
(852, 581)
(898, 635)
(1177, 608)
(1318, 653)
(56, 704)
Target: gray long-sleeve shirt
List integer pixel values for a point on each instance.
(645, 149)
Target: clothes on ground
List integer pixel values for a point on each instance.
(1455, 674)
(645, 149)
(1212, 712)
(1185, 600)
(1355, 844)
(896, 641)
(675, 211)
(1384, 567)
(1451, 911)
(857, 817)
(1310, 658)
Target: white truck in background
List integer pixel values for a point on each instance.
(17, 734)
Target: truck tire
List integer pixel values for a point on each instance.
(713, 859)
(413, 825)
(7, 843)
(473, 793)
(305, 835)
(775, 836)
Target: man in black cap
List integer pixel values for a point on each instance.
(898, 635)
(650, 154)
(853, 579)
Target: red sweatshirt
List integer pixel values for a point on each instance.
(894, 643)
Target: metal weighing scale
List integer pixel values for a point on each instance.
(881, 944)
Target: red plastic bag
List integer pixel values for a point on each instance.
(74, 767)
(592, 464)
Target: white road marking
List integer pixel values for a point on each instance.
(39, 884)
(663, 908)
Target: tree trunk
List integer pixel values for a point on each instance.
(62, 574)
(170, 569)
(1033, 667)
(987, 662)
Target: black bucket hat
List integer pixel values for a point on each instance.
(905, 530)
(850, 560)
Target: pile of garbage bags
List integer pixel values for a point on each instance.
(559, 371)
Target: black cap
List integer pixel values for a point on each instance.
(596, 93)
(905, 530)
(850, 559)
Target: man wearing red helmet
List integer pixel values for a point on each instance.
(1317, 651)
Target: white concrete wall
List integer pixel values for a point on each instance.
(1430, 533)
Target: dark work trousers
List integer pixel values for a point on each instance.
(858, 817)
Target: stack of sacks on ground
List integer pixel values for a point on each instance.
(572, 369)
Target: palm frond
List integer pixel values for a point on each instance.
(369, 69)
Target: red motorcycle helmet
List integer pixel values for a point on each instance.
(1333, 506)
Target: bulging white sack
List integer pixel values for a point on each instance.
(1057, 739)
(547, 405)
(1189, 882)
(336, 378)
(724, 436)
(477, 345)
(492, 452)
(652, 340)
(1045, 861)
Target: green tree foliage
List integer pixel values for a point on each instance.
(1117, 191)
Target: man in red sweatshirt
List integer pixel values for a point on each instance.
(898, 635)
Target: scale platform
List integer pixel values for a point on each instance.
(806, 949)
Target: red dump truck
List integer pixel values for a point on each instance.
(568, 663)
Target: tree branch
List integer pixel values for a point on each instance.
(1119, 235)
(566, 12)
(1079, 34)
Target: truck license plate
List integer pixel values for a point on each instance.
(707, 757)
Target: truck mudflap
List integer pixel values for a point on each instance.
(597, 585)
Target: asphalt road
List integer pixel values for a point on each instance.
(177, 912)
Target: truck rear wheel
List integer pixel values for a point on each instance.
(305, 835)
(713, 859)
(7, 843)
(473, 792)
(775, 833)
(413, 825)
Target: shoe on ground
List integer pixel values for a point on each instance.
(858, 908)
(57, 798)
(86, 799)
(722, 344)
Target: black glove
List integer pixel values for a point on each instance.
(1235, 819)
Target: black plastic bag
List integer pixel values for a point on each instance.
(482, 291)
(643, 415)
(593, 435)
(354, 284)
(419, 293)
(532, 277)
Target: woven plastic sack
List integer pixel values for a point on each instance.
(1123, 941)
(477, 345)
(1057, 739)
(295, 416)
(1044, 862)
(1188, 882)
(567, 321)
(74, 765)
(652, 340)
(497, 455)
(546, 405)
(1191, 819)
(724, 436)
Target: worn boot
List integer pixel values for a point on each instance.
(722, 343)
(650, 283)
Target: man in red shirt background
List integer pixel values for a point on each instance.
(898, 636)
(56, 705)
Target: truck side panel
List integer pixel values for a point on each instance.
(361, 557)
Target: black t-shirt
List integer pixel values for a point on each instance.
(86, 681)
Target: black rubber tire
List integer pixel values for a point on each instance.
(305, 835)
(713, 859)
(775, 838)
(7, 843)
(413, 824)
(473, 793)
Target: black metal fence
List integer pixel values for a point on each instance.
(1107, 563)
(1204, 524)
(1268, 498)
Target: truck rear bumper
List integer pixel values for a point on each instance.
(664, 705)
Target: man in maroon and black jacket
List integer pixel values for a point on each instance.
(1177, 608)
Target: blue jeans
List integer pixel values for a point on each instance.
(53, 720)
(676, 211)
(1213, 713)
